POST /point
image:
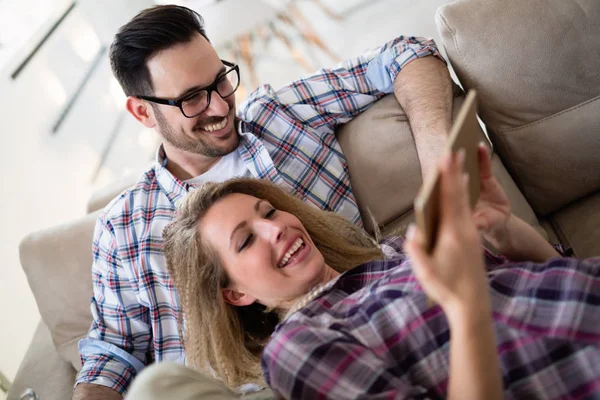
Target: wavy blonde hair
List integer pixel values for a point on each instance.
(217, 335)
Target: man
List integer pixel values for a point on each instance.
(176, 84)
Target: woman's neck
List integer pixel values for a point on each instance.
(329, 274)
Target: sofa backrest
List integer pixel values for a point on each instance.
(536, 67)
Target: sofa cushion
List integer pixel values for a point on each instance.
(518, 204)
(385, 172)
(536, 67)
(555, 160)
(382, 160)
(578, 226)
(43, 370)
(58, 265)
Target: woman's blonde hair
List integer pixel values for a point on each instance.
(217, 335)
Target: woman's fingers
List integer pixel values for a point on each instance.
(413, 246)
(453, 188)
(480, 221)
(485, 161)
(425, 267)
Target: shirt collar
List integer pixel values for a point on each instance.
(174, 188)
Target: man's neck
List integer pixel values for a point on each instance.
(184, 165)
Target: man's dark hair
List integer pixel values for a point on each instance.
(149, 32)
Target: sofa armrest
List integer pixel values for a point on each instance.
(43, 370)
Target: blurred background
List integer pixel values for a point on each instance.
(64, 129)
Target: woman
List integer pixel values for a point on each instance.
(331, 314)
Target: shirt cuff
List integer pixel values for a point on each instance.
(383, 69)
(107, 365)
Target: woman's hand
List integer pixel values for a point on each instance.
(492, 210)
(453, 275)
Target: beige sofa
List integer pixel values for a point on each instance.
(536, 65)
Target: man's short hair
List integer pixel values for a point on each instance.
(152, 30)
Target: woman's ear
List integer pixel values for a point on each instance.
(236, 298)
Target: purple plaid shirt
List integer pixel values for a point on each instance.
(286, 136)
(372, 336)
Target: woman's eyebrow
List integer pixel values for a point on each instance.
(238, 227)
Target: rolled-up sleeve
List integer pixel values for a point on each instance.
(333, 96)
(395, 55)
(107, 365)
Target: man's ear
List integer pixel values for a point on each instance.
(140, 110)
(236, 298)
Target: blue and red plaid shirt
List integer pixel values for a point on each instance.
(371, 334)
(288, 137)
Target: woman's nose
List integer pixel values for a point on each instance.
(274, 231)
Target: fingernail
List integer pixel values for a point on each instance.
(482, 144)
(410, 232)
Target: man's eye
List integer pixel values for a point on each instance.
(193, 98)
(271, 213)
(246, 242)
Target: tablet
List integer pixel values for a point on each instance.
(465, 134)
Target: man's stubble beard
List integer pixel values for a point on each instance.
(198, 146)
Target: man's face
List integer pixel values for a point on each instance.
(181, 70)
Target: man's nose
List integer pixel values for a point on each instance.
(218, 106)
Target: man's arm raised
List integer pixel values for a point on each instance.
(424, 90)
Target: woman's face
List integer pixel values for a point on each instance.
(267, 254)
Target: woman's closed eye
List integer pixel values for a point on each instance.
(250, 238)
(270, 214)
(247, 242)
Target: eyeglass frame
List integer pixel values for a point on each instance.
(210, 88)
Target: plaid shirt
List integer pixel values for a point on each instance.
(287, 136)
(371, 334)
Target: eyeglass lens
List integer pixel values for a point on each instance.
(196, 104)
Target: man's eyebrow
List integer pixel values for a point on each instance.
(243, 223)
(196, 88)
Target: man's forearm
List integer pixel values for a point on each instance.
(89, 391)
(424, 90)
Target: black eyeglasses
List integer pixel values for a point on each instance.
(195, 103)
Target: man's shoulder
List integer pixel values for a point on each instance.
(145, 197)
(261, 97)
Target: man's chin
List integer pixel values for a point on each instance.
(222, 145)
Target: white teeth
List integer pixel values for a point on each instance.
(216, 127)
(297, 244)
